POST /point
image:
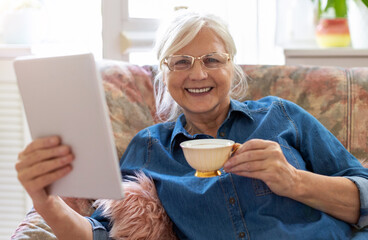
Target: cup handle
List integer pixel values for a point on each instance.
(235, 148)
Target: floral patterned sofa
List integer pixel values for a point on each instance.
(336, 96)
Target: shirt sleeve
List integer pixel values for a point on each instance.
(99, 231)
(362, 185)
(325, 155)
(134, 157)
(322, 152)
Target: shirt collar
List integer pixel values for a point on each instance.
(180, 133)
(242, 107)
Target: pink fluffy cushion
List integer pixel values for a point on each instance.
(140, 214)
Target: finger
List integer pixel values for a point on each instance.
(235, 148)
(254, 166)
(44, 168)
(32, 158)
(252, 144)
(247, 156)
(255, 144)
(47, 179)
(40, 143)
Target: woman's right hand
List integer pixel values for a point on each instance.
(41, 163)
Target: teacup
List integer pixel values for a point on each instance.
(207, 156)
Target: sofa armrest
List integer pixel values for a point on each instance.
(33, 227)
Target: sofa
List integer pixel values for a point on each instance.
(336, 96)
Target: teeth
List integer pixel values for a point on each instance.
(199, 90)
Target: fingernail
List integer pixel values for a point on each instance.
(53, 140)
(67, 159)
(63, 150)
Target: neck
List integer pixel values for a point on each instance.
(206, 124)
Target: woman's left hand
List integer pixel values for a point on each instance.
(264, 160)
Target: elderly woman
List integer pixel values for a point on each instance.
(290, 178)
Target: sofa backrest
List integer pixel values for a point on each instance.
(337, 97)
(130, 99)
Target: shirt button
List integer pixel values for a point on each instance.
(241, 234)
(222, 134)
(231, 200)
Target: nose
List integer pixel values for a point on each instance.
(198, 71)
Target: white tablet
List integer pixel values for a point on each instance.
(64, 96)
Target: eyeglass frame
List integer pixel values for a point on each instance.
(164, 61)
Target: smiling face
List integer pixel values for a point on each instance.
(201, 91)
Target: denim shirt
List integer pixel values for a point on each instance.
(235, 207)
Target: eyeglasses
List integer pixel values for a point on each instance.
(185, 62)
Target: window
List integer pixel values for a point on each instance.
(251, 22)
(13, 201)
(73, 26)
(52, 26)
(67, 26)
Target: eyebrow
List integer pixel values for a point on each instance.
(196, 56)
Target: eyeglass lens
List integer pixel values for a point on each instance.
(184, 62)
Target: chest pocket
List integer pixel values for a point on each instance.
(260, 188)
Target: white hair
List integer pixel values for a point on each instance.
(175, 35)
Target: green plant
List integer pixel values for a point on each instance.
(365, 2)
(333, 8)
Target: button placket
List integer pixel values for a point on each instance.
(235, 212)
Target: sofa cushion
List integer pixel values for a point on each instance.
(358, 113)
(130, 99)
